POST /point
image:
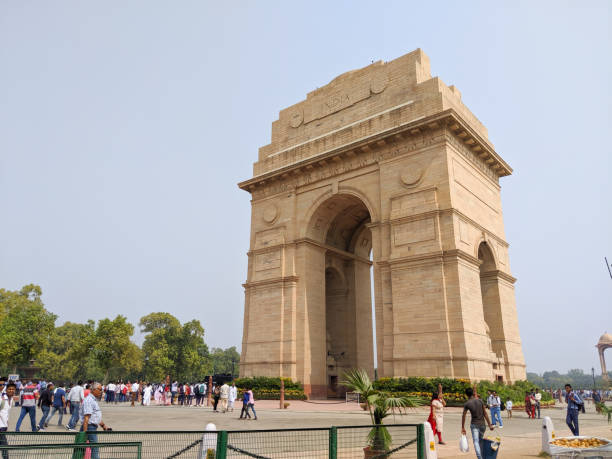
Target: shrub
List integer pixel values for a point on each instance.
(264, 382)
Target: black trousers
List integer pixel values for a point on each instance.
(3, 441)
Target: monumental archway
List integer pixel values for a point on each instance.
(382, 167)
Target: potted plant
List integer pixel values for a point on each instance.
(379, 405)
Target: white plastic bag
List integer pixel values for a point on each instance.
(464, 446)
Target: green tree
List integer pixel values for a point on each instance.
(113, 349)
(25, 326)
(226, 361)
(66, 356)
(173, 349)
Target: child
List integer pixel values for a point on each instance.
(509, 408)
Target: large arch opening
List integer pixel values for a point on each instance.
(340, 227)
(491, 307)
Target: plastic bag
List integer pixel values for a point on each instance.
(464, 446)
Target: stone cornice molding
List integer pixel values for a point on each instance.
(497, 274)
(447, 120)
(277, 280)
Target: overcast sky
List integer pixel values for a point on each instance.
(125, 126)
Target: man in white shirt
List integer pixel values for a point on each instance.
(75, 397)
(232, 396)
(135, 388)
(110, 392)
(7, 391)
(225, 390)
(538, 398)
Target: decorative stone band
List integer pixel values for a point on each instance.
(448, 120)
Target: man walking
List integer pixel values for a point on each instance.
(134, 390)
(538, 399)
(233, 393)
(91, 416)
(59, 404)
(479, 420)
(574, 404)
(27, 401)
(75, 397)
(44, 403)
(494, 403)
(7, 392)
(225, 391)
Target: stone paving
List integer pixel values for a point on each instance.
(521, 436)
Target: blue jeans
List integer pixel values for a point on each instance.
(496, 415)
(58, 409)
(74, 407)
(252, 406)
(478, 438)
(45, 412)
(572, 421)
(92, 438)
(31, 410)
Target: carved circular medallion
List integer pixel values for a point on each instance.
(378, 83)
(270, 213)
(296, 118)
(411, 176)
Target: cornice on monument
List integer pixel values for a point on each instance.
(448, 120)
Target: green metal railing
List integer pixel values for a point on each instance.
(341, 442)
(119, 450)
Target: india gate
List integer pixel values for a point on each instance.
(383, 172)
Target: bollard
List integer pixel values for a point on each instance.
(548, 434)
(282, 394)
(430, 443)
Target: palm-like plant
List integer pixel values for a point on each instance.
(605, 410)
(378, 404)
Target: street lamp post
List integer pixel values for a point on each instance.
(593, 373)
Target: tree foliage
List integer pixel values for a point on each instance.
(25, 325)
(173, 349)
(226, 361)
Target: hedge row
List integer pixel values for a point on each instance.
(270, 394)
(455, 388)
(263, 382)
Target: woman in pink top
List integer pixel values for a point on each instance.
(251, 404)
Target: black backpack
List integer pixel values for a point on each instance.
(503, 406)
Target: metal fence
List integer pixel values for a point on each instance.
(343, 442)
(128, 450)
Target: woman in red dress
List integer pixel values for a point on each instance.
(436, 414)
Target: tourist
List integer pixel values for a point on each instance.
(232, 396)
(168, 398)
(538, 398)
(75, 397)
(574, 404)
(216, 396)
(7, 392)
(59, 404)
(224, 394)
(479, 421)
(27, 401)
(245, 406)
(436, 413)
(134, 390)
(494, 403)
(158, 394)
(251, 403)
(90, 416)
(509, 408)
(44, 403)
(110, 392)
(528, 404)
(146, 395)
(174, 390)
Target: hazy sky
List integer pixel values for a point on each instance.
(125, 126)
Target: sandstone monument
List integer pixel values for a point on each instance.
(605, 342)
(384, 167)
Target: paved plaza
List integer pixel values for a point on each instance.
(521, 437)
